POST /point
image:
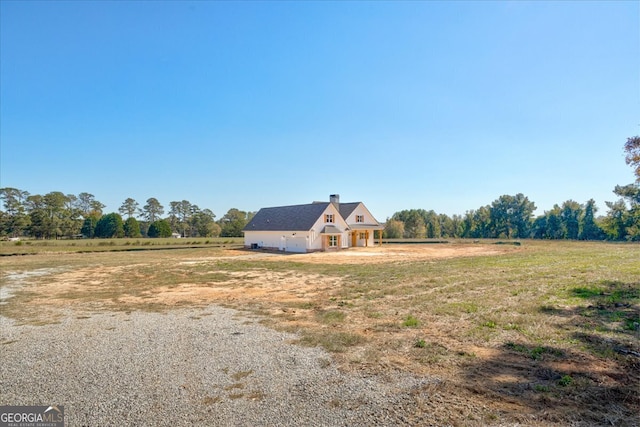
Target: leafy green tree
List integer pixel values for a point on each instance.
(15, 219)
(233, 222)
(590, 229)
(88, 205)
(179, 215)
(632, 148)
(152, 210)
(467, 225)
(614, 224)
(450, 226)
(539, 227)
(414, 222)
(186, 210)
(55, 204)
(132, 227)
(482, 222)
(203, 223)
(630, 193)
(511, 216)
(393, 229)
(554, 224)
(110, 226)
(570, 216)
(173, 215)
(415, 227)
(457, 226)
(129, 207)
(71, 218)
(49, 215)
(623, 218)
(89, 226)
(4, 224)
(144, 228)
(431, 221)
(159, 228)
(37, 216)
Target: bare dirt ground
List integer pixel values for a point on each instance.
(479, 383)
(390, 253)
(238, 286)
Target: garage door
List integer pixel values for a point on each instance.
(296, 244)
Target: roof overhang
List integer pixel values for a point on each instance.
(331, 230)
(366, 227)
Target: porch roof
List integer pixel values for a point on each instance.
(366, 227)
(330, 229)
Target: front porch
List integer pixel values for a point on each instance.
(363, 236)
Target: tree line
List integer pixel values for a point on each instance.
(512, 216)
(57, 215)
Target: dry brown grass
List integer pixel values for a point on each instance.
(536, 334)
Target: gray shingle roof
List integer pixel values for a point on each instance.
(347, 208)
(287, 218)
(298, 217)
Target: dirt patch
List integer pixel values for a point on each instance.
(392, 253)
(13, 281)
(257, 285)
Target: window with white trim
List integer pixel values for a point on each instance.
(333, 241)
(328, 218)
(359, 218)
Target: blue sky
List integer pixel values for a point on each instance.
(433, 105)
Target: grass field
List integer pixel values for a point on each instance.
(537, 334)
(29, 247)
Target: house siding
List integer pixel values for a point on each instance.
(315, 241)
(368, 219)
(320, 243)
(304, 228)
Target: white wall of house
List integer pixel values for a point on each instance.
(361, 210)
(302, 240)
(290, 241)
(271, 239)
(367, 218)
(313, 240)
(316, 238)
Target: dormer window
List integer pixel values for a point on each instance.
(359, 218)
(328, 218)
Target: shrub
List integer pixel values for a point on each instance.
(489, 324)
(410, 322)
(565, 380)
(132, 228)
(160, 228)
(109, 226)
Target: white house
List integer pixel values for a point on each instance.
(318, 226)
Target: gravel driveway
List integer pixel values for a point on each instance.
(210, 367)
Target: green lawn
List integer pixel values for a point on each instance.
(31, 246)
